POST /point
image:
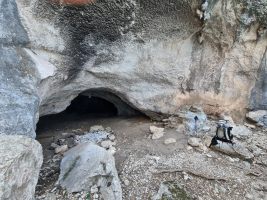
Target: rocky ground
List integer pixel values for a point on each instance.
(165, 167)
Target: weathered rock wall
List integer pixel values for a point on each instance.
(19, 100)
(155, 55)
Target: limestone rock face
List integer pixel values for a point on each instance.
(18, 76)
(87, 165)
(20, 162)
(157, 56)
(146, 56)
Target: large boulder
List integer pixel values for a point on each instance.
(88, 165)
(259, 117)
(20, 162)
(19, 100)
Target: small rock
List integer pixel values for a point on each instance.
(169, 141)
(54, 145)
(94, 189)
(126, 182)
(189, 148)
(194, 142)
(112, 150)
(61, 149)
(96, 128)
(107, 144)
(108, 129)
(186, 176)
(111, 137)
(157, 132)
(250, 125)
(95, 196)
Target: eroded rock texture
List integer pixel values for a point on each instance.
(18, 76)
(20, 162)
(157, 56)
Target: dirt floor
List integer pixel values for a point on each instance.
(144, 164)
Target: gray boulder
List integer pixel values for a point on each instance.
(241, 132)
(19, 101)
(236, 149)
(87, 165)
(20, 162)
(259, 117)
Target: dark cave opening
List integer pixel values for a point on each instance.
(85, 108)
(92, 105)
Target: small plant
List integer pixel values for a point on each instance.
(88, 196)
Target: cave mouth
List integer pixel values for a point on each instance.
(89, 105)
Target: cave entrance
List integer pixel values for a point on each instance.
(85, 108)
(90, 105)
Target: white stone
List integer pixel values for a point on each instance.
(156, 132)
(111, 137)
(94, 189)
(20, 162)
(61, 149)
(250, 125)
(107, 144)
(87, 164)
(170, 141)
(126, 182)
(97, 128)
(194, 142)
(189, 148)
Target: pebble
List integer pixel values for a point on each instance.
(95, 196)
(194, 142)
(108, 129)
(189, 148)
(111, 137)
(170, 141)
(54, 145)
(61, 149)
(94, 189)
(157, 132)
(126, 182)
(112, 150)
(107, 144)
(96, 128)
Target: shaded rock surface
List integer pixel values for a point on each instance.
(19, 99)
(87, 165)
(20, 162)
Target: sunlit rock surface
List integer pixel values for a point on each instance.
(157, 56)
